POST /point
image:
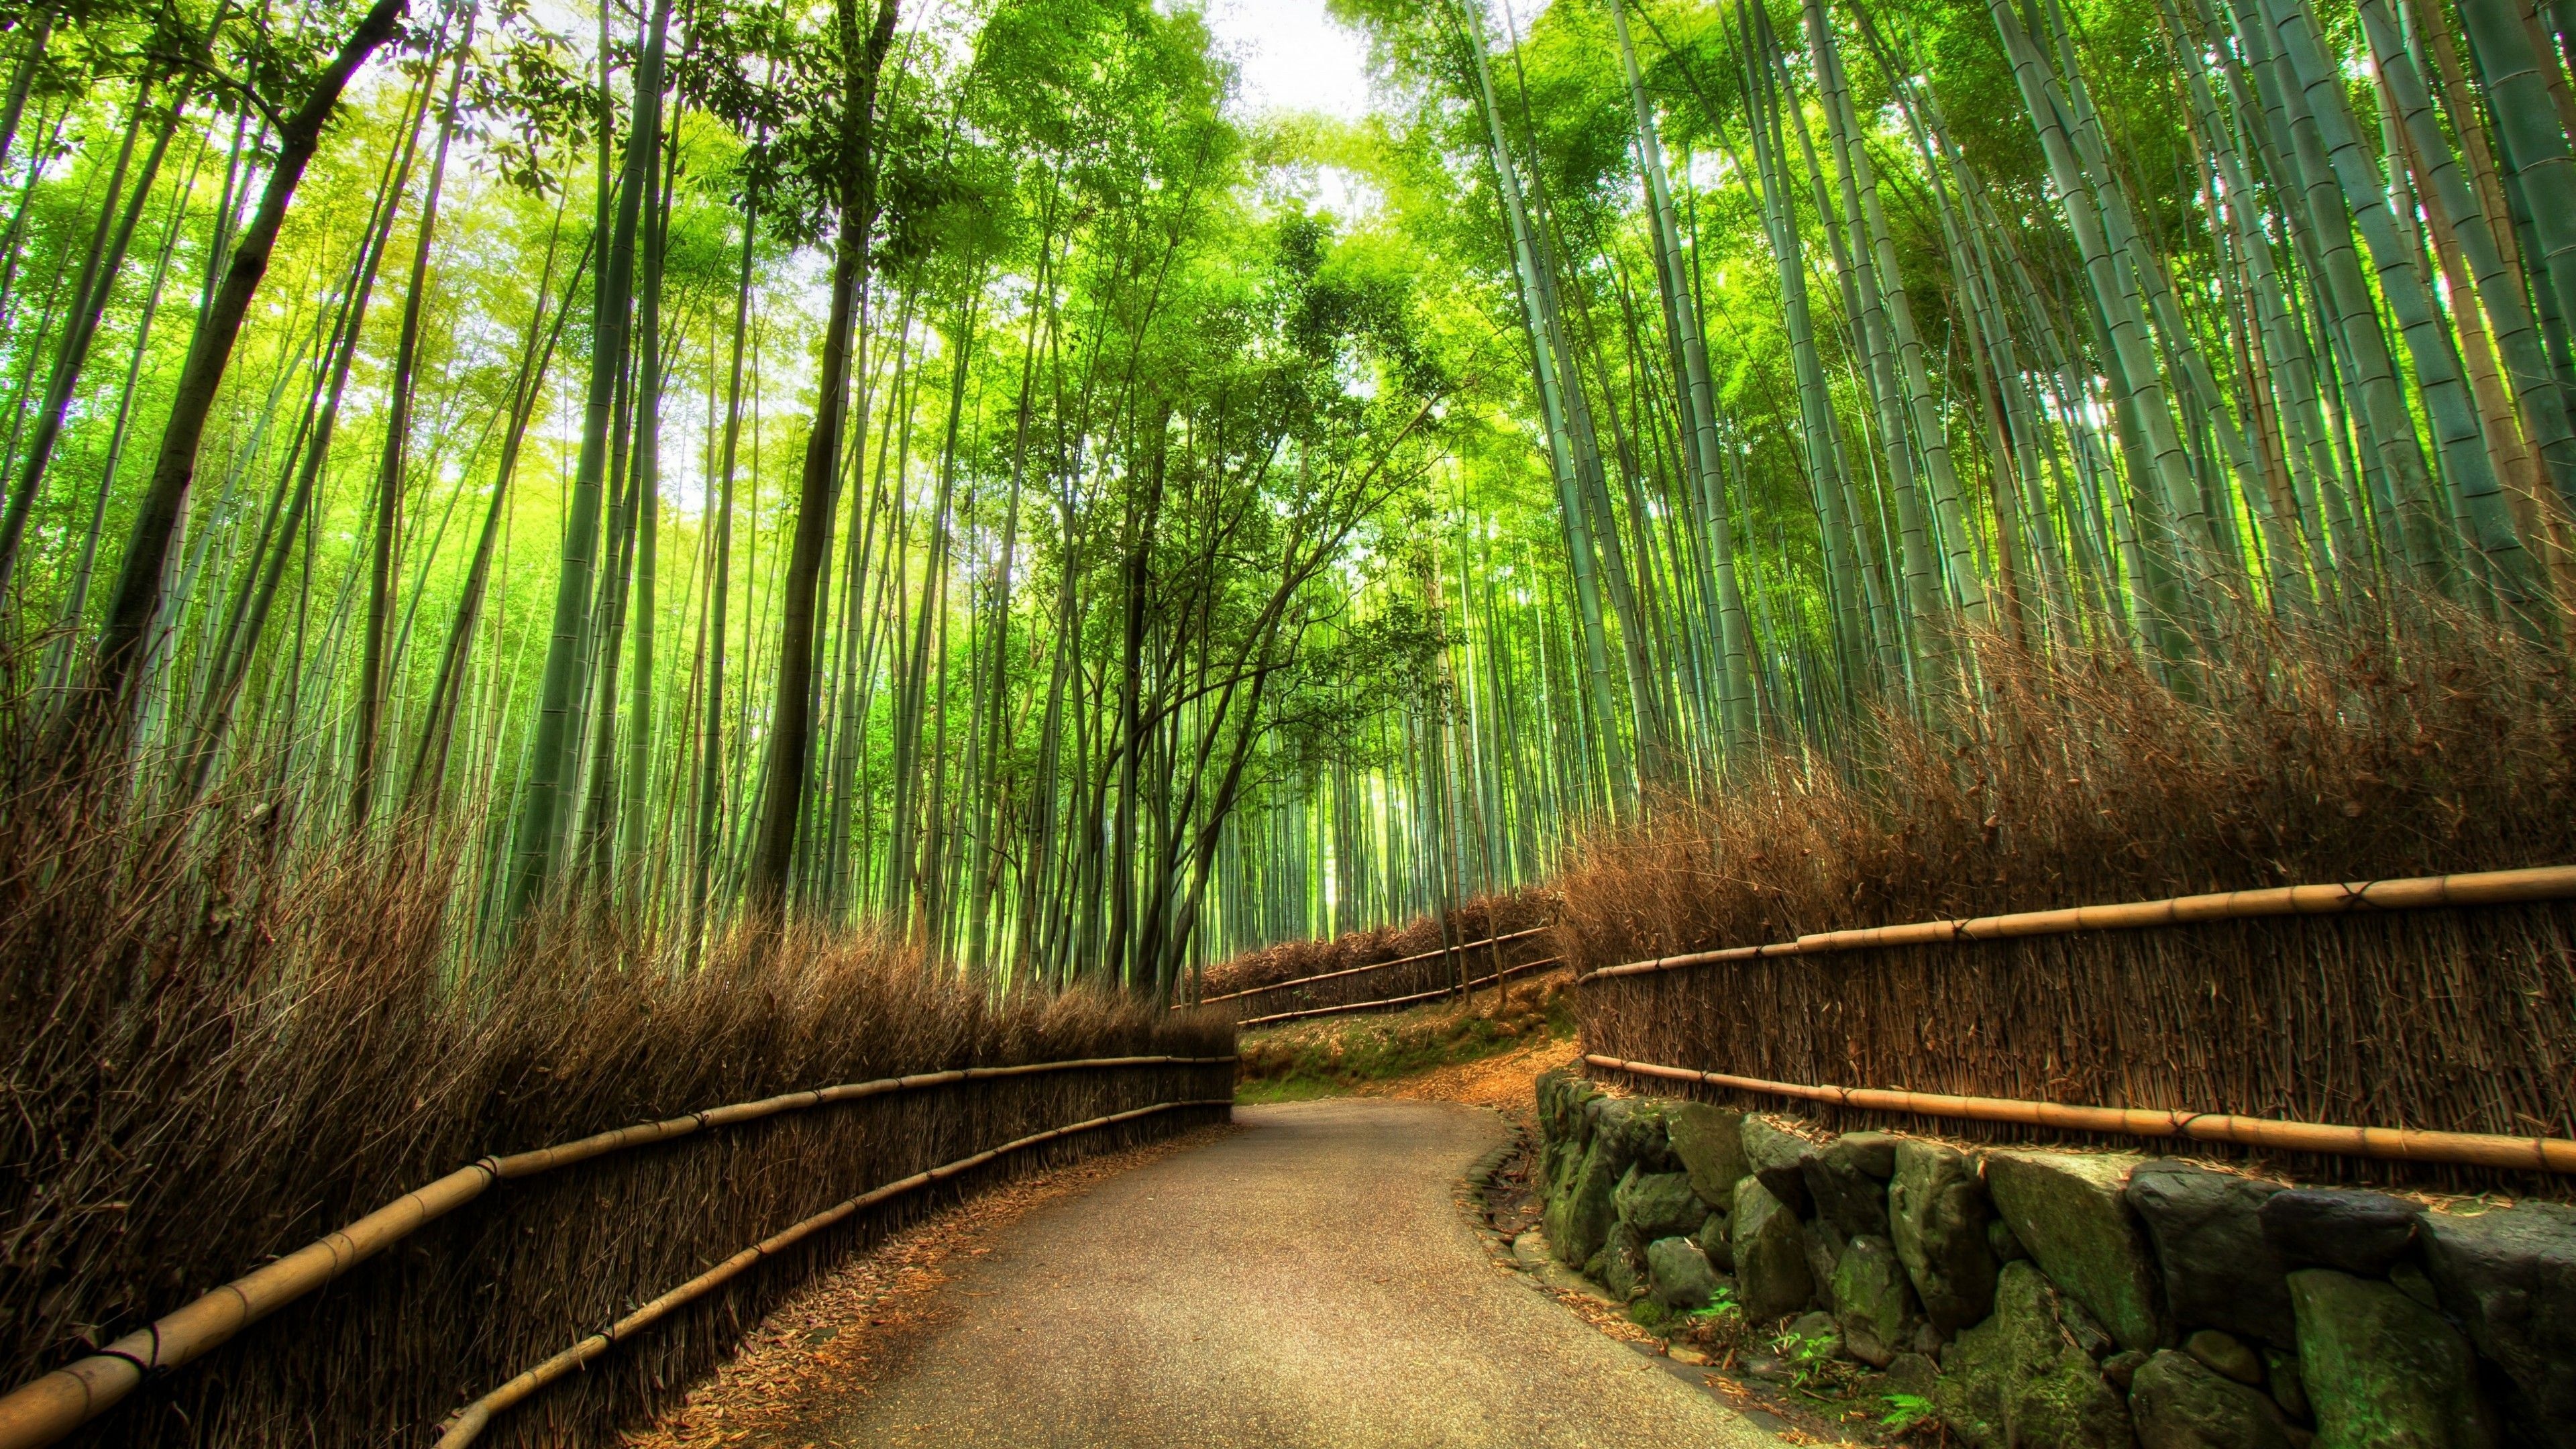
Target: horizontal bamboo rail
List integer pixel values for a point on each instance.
(1490, 941)
(2481, 888)
(474, 1418)
(2471, 1149)
(45, 1409)
(1541, 964)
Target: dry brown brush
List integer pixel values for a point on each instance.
(2424, 748)
(214, 1056)
(1482, 918)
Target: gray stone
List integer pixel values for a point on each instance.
(1580, 1213)
(2219, 1270)
(2509, 1277)
(1679, 1273)
(1778, 1157)
(1938, 1214)
(1771, 1274)
(1710, 1143)
(2381, 1370)
(2281, 1372)
(1874, 1302)
(2021, 1378)
(1623, 1263)
(1561, 1099)
(1913, 1373)
(2177, 1403)
(2001, 1242)
(1824, 1245)
(1631, 1129)
(2227, 1354)
(2122, 1368)
(1841, 1193)
(2066, 1208)
(1657, 1204)
(1873, 1152)
(2350, 1232)
(1815, 1336)
(1715, 1241)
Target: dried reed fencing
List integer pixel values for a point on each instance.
(474, 1418)
(2439, 1003)
(215, 1057)
(49, 1408)
(1482, 918)
(2418, 745)
(1404, 981)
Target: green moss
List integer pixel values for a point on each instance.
(1299, 1061)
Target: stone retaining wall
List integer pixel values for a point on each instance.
(2060, 1298)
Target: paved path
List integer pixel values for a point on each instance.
(1307, 1282)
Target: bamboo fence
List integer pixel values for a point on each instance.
(2445, 1002)
(46, 1409)
(1420, 977)
(470, 1422)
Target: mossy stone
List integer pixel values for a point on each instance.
(2381, 1370)
(1710, 1143)
(1580, 1213)
(2177, 1402)
(1716, 1241)
(1680, 1273)
(1623, 1263)
(2066, 1208)
(1771, 1273)
(1937, 1215)
(1874, 1302)
(2022, 1377)
(1658, 1204)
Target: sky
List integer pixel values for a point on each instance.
(1294, 57)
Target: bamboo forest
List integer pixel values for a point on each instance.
(953, 469)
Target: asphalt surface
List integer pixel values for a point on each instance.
(1308, 1281)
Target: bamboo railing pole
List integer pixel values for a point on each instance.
(47, 1408)
(474, 1418)
(2469, 1149)
(1495, 941)
(2479, 888)
(50, 1407)
(1524, 968)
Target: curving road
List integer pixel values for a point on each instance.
(1307, 1281)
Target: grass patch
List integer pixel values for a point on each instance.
(1331, 1056)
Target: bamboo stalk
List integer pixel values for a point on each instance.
(2476, 888)
(2476, 1149)
(1434, 994)
(471, 1421)
(46, 1409)
(1372, 966)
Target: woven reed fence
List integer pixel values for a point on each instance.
(1285, 963)
(387, 1352)
(1423, 976)
(2459, 1020)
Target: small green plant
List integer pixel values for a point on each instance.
(1809, 1359)
(1905, 1411)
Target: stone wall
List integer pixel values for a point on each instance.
(2061, 1298)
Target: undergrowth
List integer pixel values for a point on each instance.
(1333, 1055)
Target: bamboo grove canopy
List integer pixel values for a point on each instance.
(956, 468)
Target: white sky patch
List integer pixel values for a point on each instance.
(1293, 56)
